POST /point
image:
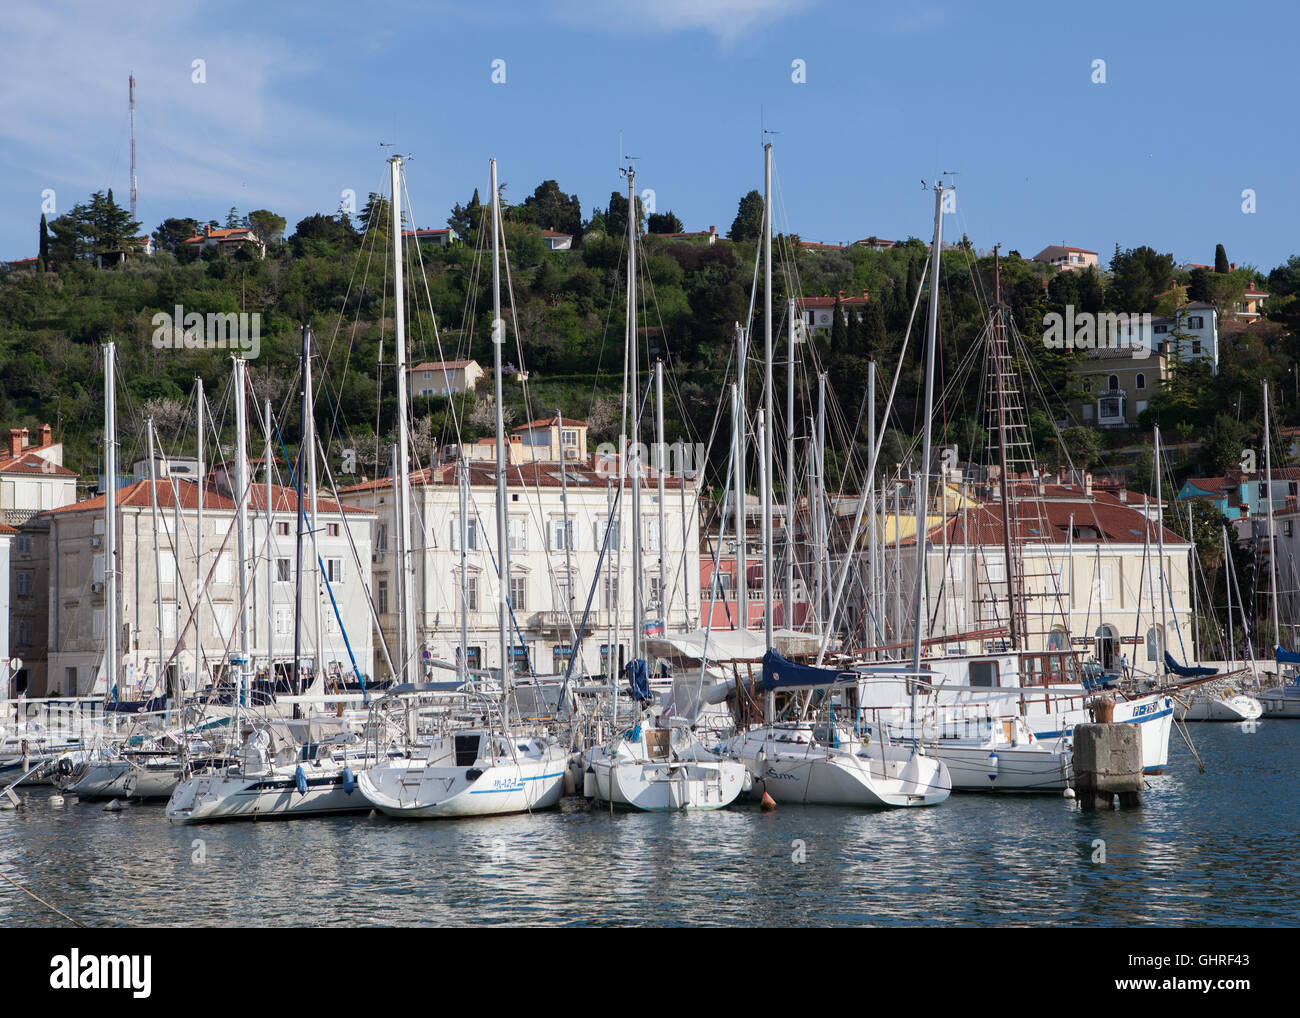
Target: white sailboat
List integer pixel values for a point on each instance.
(495, 767)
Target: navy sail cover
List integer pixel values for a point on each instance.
(778, 673)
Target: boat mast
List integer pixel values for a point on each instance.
(922, 484)
(241, 512)
(402, 487)
(157, 555)
(1160, 550)
(270, 558)
(738, 415)
(766, 450)
(787, 619)
(462, 524)
(503, 563)
(875, 600)
(638, 608)
(318, 641)
(302, 519)
(1002, 365)
(1268, 497)
(110, 518)
(198, 542)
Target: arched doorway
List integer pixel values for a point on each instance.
(1107, 648)
(1156, 644)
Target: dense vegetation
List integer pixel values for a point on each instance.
(332, 273)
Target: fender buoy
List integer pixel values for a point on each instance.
(300, 779)
(769, 803)
(349, 780)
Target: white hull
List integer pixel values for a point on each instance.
(118, 779)
(873, 775)
(437, 785)
(1007, 768)
(655, 787)
(275, 794)
(1220, 708)
(1281, 702)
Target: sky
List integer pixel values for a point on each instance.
(291, 104)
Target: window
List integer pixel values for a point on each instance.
(562, 535)
(282, 572)
(470, 592)
(519, 593)
(1141, 380)
(1112, 383)
(98, 568)
(282, 528)
(1161, 330)
(471, 534)
(381, 596)
(517, 531)
(331, 622)
(24, 545)
(331, 530)
(24, 583)
(1196, 322)
(25, 633)
(569, 438)
(604, 523)
(222, 572)
(984, 673)
(334, 570)
(656, 590)
(169, 621)
(1196, 348)
(652, 537)
(609, 591)
(97, 625)
(1263, 489)
(560, 658)
(381, 538)
(283, 621)
(225, 618)
(562, 595)
(1106, 581)
(1087, 385)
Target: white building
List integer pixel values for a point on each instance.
(33, 477)
(1067, 259)
(443, 378)
(7, 674)
(156, 596)
(557, 520)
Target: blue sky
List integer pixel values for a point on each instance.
(298, 97)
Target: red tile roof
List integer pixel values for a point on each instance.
(546, 422)
(236, 233)
(1117, 523)
(442, 365)
(483, 473)
(30, 463)
(137, 496)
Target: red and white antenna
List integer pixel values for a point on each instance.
(133, 186)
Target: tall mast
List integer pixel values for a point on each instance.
(198, 542)
(318, 642)
(767, 396)
(1001, 365)
(1268, 496)
(270, 557)
(498, 340)
(662, 458)
(568, 551)
(462, 524)
(110, 518)
(157, 555)
(922, 484)
(302, 517)
(1160, 548)
(241, 510)
(638, 607)
(131, 93)
(791, 341)
(875, 601)
(738, 416)
(406, 605)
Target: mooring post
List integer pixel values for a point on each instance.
(1108, 763)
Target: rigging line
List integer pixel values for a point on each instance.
(33, 894)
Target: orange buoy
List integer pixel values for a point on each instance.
(769, 803)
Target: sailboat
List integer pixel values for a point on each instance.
(492, 766)
(827, 760)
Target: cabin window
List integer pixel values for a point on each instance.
(984, 674)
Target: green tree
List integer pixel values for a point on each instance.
(1138, 276)
(552, 209)
(1223, 442)
(43, 251)
(1221, 259)
(464, 219)
(377, 214)
(266, 225)
(234, 220)
(173, 233)
(665, 222)
(616, 214)
(748, 224)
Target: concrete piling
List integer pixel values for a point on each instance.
(1108, 763)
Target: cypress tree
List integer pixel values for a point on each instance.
(1220, 259)
(43, 252)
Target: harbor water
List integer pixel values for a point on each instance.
(1205, 849)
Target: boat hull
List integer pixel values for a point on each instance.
(670, 786)
(410, 788)
(210, 797)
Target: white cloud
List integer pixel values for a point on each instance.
(729, 20)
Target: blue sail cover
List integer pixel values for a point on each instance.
(778, 673)
(638, 681)
(1186, 672)
(1286, 657)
